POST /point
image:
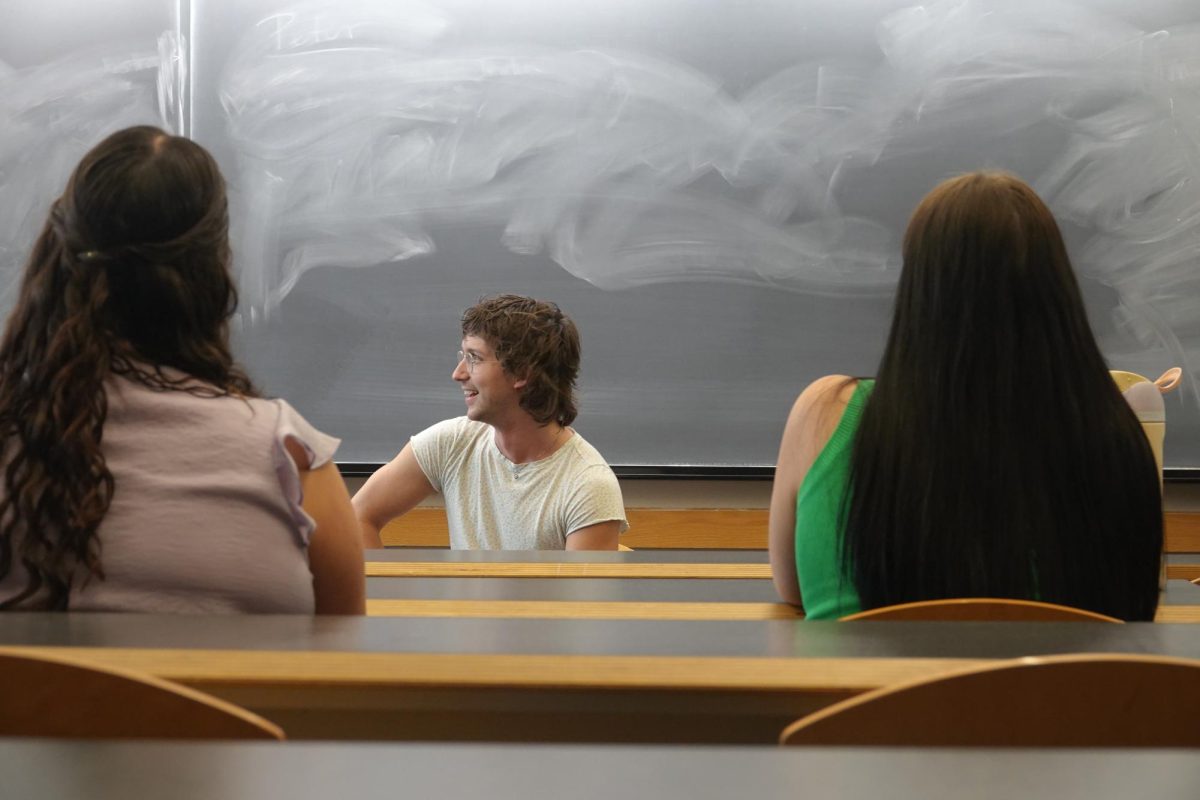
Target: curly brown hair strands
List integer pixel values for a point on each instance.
(535, 340)
(129, 275)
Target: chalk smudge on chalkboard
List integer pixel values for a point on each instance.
(378, 130)
(364, 134)
(52, 113)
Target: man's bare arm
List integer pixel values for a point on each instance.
(389, 493)
(601, 536)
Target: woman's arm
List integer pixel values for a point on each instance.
(335, 553)
(813, 418)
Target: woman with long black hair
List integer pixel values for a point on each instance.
(141, 469)
(991, 456)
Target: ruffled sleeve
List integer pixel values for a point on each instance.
(318, 446)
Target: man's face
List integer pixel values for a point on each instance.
(491, 393)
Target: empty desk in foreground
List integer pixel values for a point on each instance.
(552, 679)
(319, 771)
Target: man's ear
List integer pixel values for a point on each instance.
(518, 381)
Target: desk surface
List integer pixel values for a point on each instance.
(439, 555)
(1179, 565)
(542, 679)
(646, 590)
(552, 680)
(442, 555)
(632, 589)
(304, 771)
(766, 639)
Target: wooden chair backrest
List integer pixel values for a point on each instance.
(980, 609)
(1088, 700)
(50, 696)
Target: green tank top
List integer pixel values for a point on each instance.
(826, 588)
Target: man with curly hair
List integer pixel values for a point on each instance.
(514, 475)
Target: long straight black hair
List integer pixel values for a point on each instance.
(995, 456)
(130, 274)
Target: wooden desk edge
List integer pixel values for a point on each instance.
(483, 670)
(629, 610)
(707, 529)
(681, 571)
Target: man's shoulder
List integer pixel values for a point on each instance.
(586, 459)
(446, 446)
(592, 492)
(455, 429)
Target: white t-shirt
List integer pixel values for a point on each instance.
(494, 504)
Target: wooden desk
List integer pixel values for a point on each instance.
(1183, 566)
(704, 528)
(424, 569)
(312, 771)
(659, 585)
(552, 679)
(576, 609)
(696, 590)
(598, 585)
(444, 556)
(603, 609)
(1180, 565)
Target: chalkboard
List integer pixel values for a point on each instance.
(714, 190)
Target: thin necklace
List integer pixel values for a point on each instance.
(518, 468)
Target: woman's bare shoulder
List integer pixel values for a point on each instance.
(813, 418)
(829, 392)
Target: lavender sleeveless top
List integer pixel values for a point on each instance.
(205, 515)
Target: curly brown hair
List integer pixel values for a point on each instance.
(535, 340)
(129, 275)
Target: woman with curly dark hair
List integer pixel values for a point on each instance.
(992, 455)
(142, 471)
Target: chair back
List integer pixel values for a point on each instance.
(55, 696)
(980, 609)
(1145, 398)
(1088, 700)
